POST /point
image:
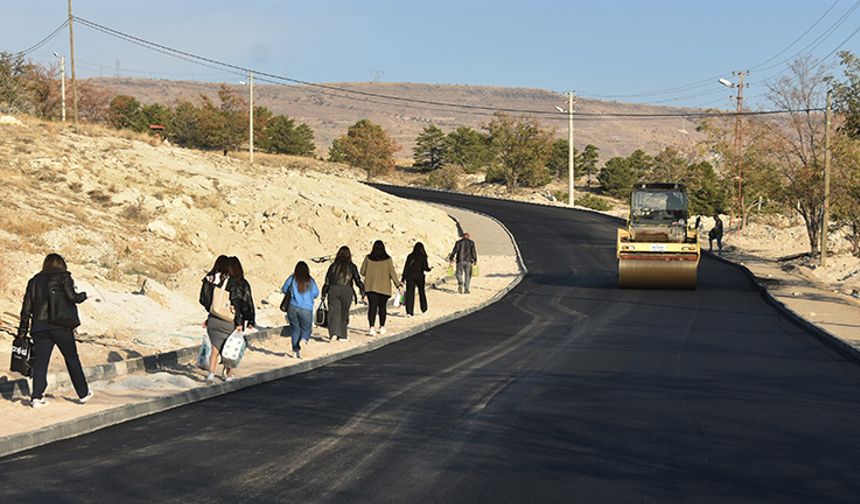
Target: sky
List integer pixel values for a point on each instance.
(616, 49)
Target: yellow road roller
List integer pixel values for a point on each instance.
(659, 249)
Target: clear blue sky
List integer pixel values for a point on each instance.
(609, 47)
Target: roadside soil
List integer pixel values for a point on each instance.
(140, 222)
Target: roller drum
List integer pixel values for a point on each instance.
(657, 273)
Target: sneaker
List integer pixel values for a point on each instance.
(230, 378)
(382, 331)
(298, 354)
(460, 289)
(86, 398)
(467, 291)
(372, 331)
(408, 315)
(344, 338)
(210, 378)
(38, 403)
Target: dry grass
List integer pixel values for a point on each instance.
(21, 224)
(135, 212)
(99, 197)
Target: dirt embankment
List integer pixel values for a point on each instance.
(140, 222)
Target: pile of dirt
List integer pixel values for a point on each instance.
(140, 222)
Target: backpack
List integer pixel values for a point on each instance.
(221, 306)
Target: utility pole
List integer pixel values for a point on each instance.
(826, 215)
(62, 83)
(72, 53)
(570, 158)
(251, 116)
(739, 146)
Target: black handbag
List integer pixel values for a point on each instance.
(61, 311)
(22, 356)
(321, 318)
(288, 296)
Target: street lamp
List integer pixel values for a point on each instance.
(62, 82)
(738, 139)
(570, 159)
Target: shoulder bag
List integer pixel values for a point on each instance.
(288, 296)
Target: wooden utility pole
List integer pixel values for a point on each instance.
(72, 54)
(251, 116)
(825, 218)
(739, 147)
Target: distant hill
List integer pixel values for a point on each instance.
(329, 113)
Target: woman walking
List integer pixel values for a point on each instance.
(338, 289)
(49, 314)
(300, 314)
(413, 275)
(227, 273)
(379, 273)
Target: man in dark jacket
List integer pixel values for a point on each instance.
(716, 234)
(465, 255)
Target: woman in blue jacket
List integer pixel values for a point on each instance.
(300, 314)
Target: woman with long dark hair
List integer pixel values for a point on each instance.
(300, 314)
(227, 273)
(379, 273)
(50, 316)
(338, 289)
(413, 274)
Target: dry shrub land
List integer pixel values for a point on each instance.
(140, 222)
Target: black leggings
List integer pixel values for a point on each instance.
(43, 343)
(377, 305)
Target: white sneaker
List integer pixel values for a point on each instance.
(298, 354)
(38, 403)
(87, 397)
(230, 378)
(382, 330)
(372, 331)
(210, 378)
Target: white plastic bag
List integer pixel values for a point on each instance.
(233, 350)
(205, 352)
(397, 298)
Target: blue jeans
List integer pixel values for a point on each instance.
(301, 325)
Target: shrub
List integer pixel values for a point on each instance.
(447, 177)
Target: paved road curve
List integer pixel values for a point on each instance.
(567, 390)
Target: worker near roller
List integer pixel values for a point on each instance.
(716, 233)
(466, 256)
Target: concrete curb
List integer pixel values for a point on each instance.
(831, 340)
(15, 443)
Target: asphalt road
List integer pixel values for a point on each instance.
(567, 390)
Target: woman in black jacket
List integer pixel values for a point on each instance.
(413, 275)
(226, 273)
(50, 316)
(338, 286)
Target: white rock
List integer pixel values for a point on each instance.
(162, 229)
(8, 120)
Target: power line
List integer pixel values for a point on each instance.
(240, 70)
(709, 81)
(798, 39)
(42, 42)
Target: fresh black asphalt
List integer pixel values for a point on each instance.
(566, 390)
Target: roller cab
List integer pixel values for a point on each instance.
(658, 249)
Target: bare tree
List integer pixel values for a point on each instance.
(798, 146)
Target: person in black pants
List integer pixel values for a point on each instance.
(49, 314)
(413, 276)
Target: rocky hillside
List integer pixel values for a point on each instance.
(140, 223)
(329, 113)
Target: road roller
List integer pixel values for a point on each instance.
(658, 249)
